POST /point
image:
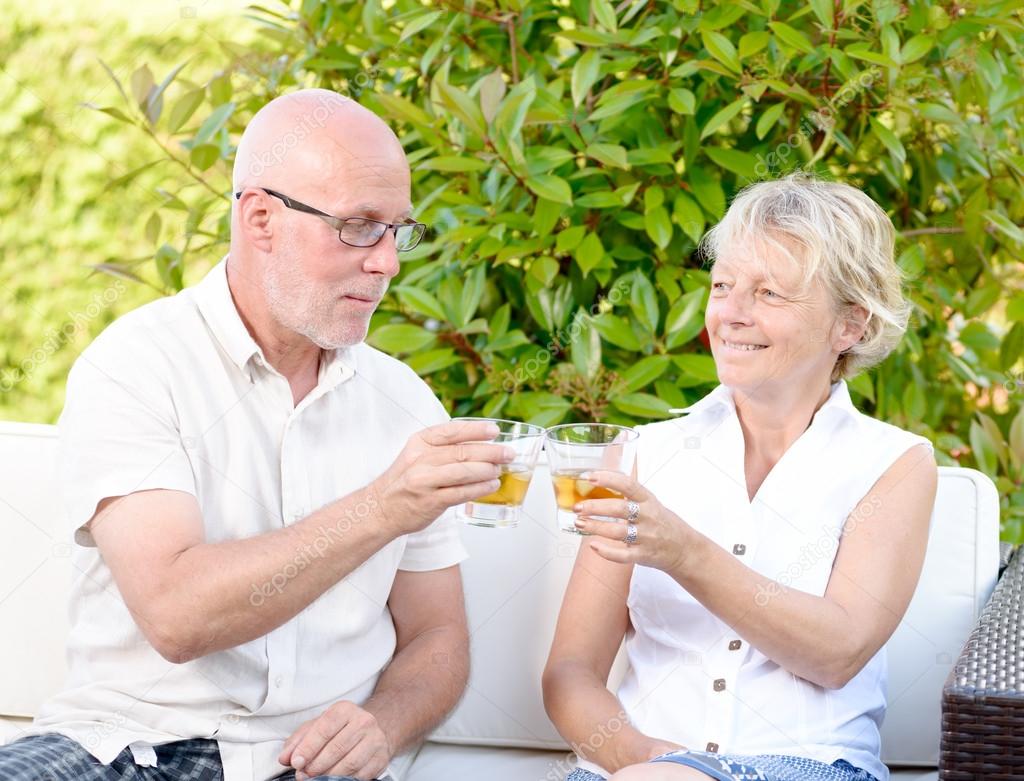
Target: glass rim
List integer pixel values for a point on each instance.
(632, 432)
(540, 430)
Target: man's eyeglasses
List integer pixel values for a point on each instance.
(359, 231)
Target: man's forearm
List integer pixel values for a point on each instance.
(228, 593)
(422, 684)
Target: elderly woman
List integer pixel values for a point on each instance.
(772, 537)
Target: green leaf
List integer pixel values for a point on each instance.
(643, 372)
(204, 156)
(569, 239)
(721, 49)
(984, 449)
(419, 24)
(586, 348)
(433, 360)
(685, 319)
(658, 226)
(1003, 224)
(552, 187)
(981, 299)
(643, 301)
(184, 109)
(752, 43)
(217, 119)
(688, 216)
(889, 141)
(615, 330)
(708, 192)
(454, 164)
(589, 253)
(792, 37)
(1012, 347)
(604, 12)
(463, 107)
(768, 119)
(916, 48)
(401, 338)
(642, 405)
(682, 101)
(612, 155)
(742, 164)
(584, 74)
(700, 367)
(824, 11)
(723, 117)
(420, 301)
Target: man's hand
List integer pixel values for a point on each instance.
(440, 467)
(344, 740)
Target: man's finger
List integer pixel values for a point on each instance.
(317, 736)
(459, 431)
(285, 757)
(336, 750)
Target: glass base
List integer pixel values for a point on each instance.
(567, 522)
(490, 516)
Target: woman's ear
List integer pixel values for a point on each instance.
(850, 328)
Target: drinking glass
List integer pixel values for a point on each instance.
(577, 448)
(501, 508)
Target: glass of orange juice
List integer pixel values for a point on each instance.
(501, 508)
(578, 448)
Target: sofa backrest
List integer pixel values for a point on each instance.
(515, 579)
(514, 582)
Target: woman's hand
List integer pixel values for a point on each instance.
(663, 539)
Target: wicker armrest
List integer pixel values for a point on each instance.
(983, 699)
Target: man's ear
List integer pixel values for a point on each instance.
(252, 213)
(850, 328)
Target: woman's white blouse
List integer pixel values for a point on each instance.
(691, 678)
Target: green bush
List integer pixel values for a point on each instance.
(569, 155)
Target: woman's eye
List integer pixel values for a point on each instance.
(770, 293)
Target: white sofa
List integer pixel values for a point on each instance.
(514, 582)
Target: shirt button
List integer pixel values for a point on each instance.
(278, 681)
(712, 747)
(720, 684)
(739, 549)
(734, 645)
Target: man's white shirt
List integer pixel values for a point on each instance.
(177, 395)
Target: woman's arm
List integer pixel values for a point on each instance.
(591, 625)
(826, 640)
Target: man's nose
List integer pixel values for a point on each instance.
(383, 256)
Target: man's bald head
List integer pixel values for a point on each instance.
(311, 136)
(293, 271)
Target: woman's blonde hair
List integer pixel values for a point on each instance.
(842, 238)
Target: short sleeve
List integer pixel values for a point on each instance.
(440, 544)
(118, 435)
(436, 547)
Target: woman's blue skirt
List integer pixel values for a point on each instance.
(763, 767)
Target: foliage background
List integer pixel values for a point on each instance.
(570, 154)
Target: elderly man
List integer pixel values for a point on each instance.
(267, 578)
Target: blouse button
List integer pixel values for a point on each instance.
(720, 684)
(739, 549)
(712, 747)
(734, 645)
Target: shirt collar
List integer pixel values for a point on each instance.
(213, 298)
(838, 402)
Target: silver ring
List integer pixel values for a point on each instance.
(630, 534)
(632, 510)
